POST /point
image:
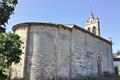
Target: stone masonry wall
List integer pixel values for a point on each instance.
(17, 70)
(55, 52)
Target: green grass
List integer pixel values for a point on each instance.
(110, 77)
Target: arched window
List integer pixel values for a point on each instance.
(89, 29)
(91, 21)
(94, 30)
(99, 65)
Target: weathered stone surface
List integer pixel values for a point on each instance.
(56, 51)
(17, 70)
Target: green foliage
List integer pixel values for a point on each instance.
(10, 51)
(10, 43)
(117, 53)
(6, 9)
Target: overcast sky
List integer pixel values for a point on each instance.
(71, 12)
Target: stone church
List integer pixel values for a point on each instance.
(56, 51)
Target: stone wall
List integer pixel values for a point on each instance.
(55, 51)
(17, 70)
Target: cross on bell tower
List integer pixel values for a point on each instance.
(92, 25)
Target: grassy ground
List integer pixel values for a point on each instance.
(112, 77)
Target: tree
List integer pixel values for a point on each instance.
(10, 43)
(117, 53)
(10, 51)
(6, 9)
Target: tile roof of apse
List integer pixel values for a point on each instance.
(69, 26)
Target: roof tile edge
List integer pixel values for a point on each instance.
(70, 26)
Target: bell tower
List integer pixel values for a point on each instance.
(92, 25)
